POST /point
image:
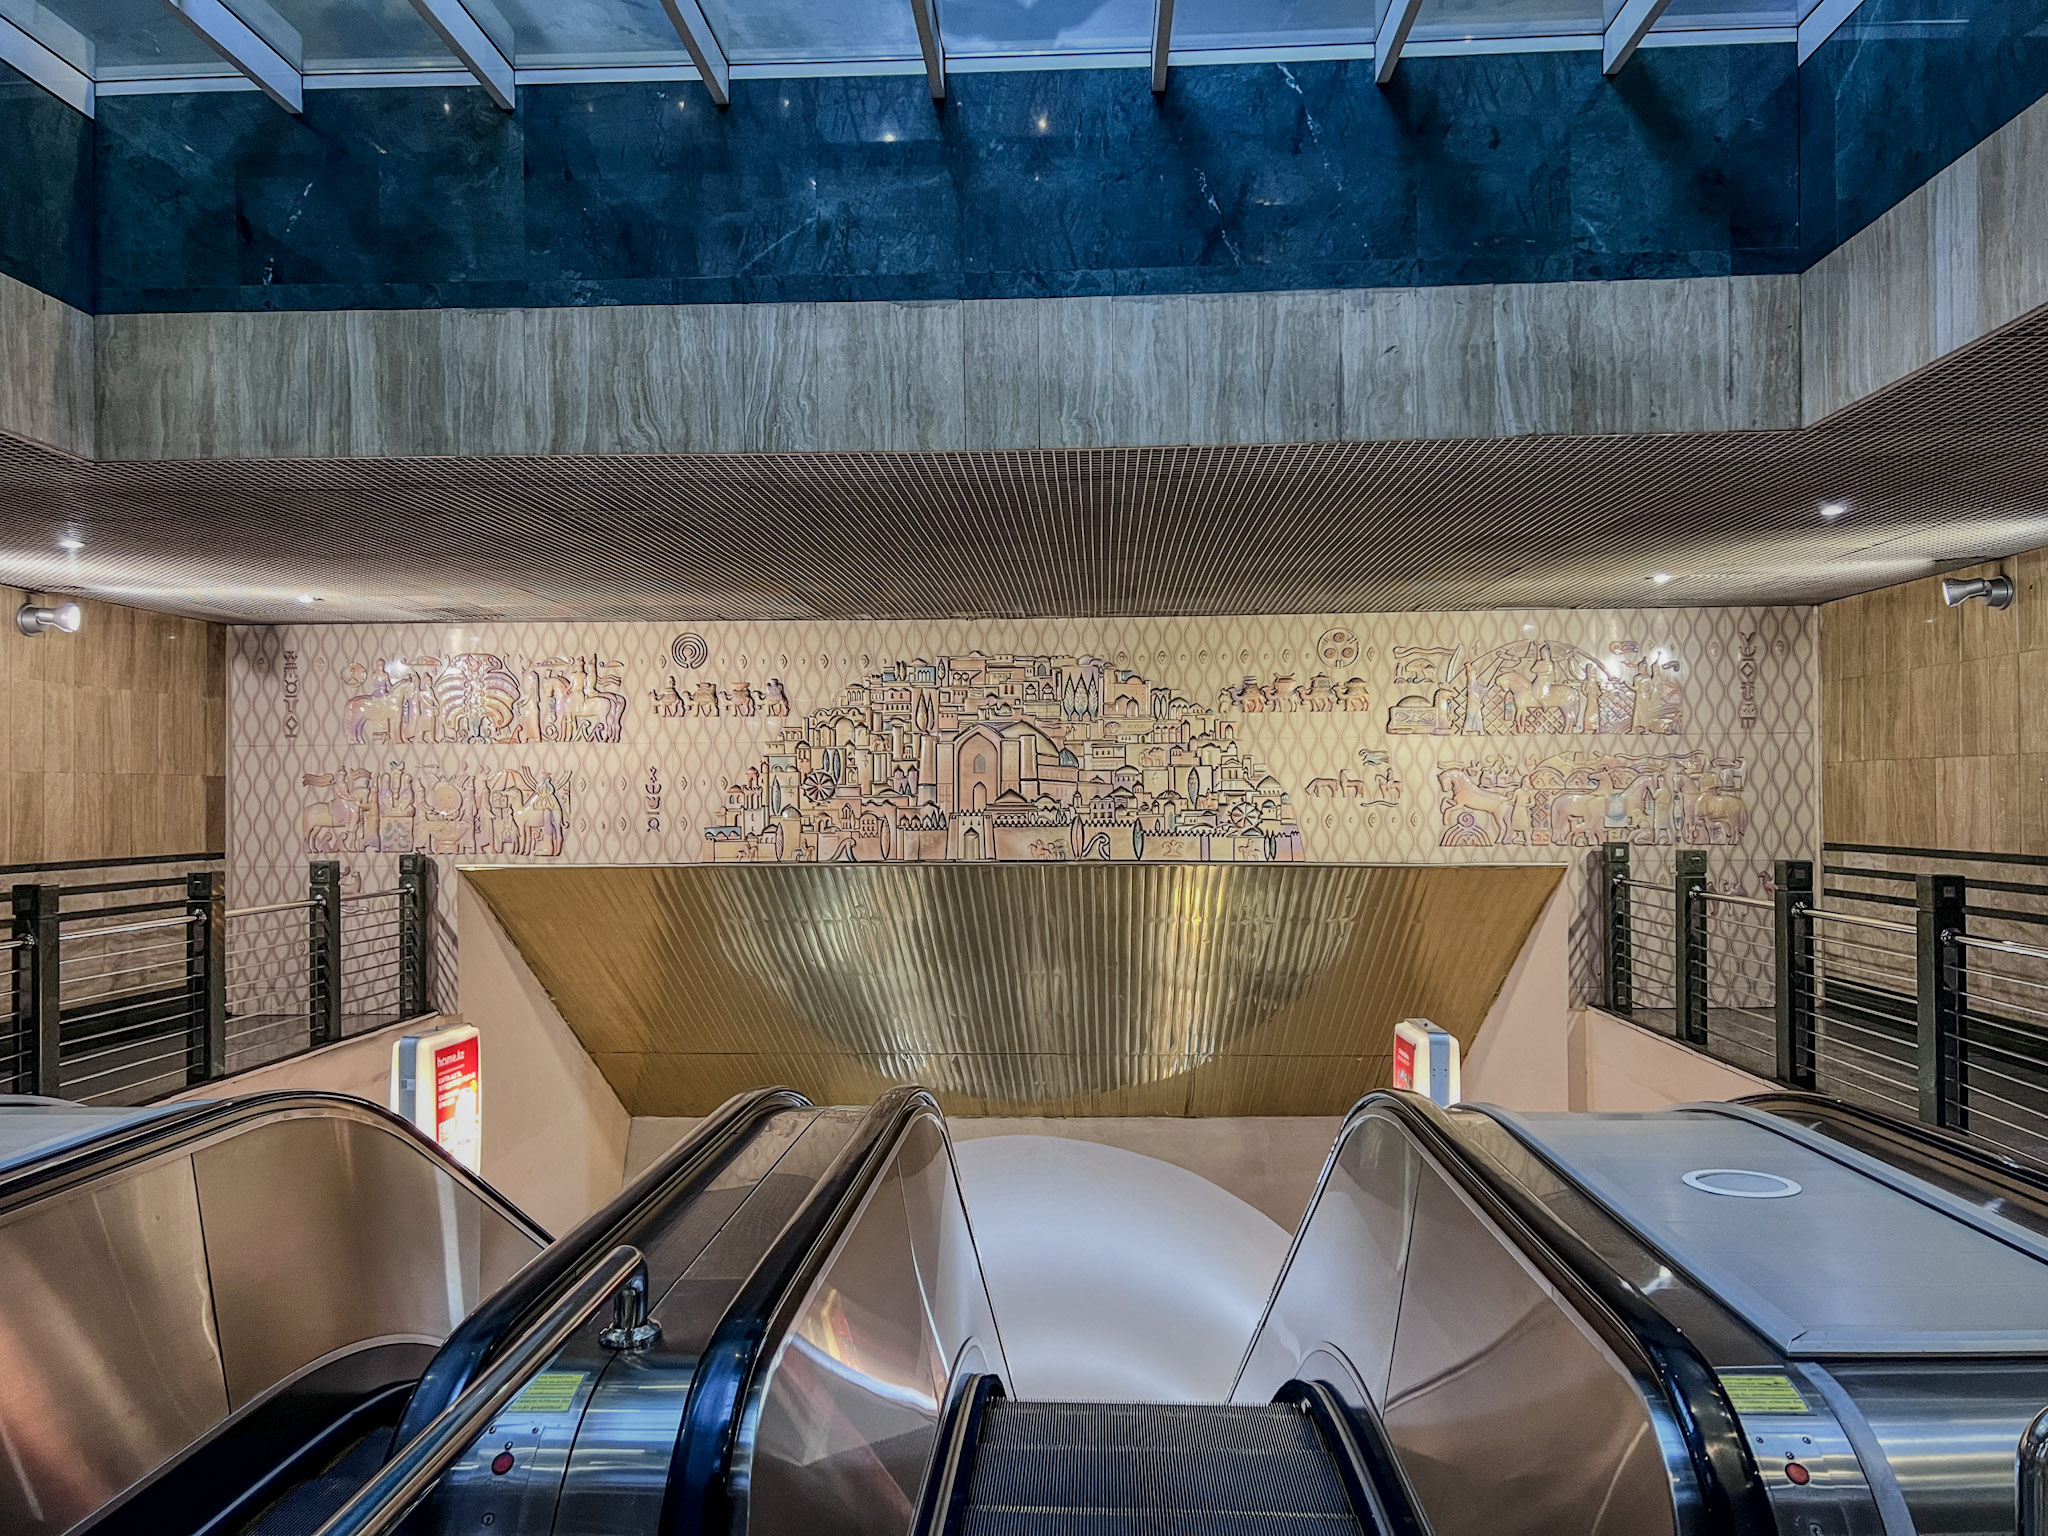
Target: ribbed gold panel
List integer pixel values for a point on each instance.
(1076, 989)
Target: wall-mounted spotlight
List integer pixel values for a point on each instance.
(1995, 590)
(64, 619)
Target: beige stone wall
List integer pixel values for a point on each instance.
(1935, 719)
(116, 736)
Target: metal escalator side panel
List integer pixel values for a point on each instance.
(1518, 1398)
(846, 1429)
(1381, 1497)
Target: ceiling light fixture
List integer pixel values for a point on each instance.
(1662, 578)
(307, 597)
(1994, 590)
(33, 620)
(71, 542)
(1832, 509)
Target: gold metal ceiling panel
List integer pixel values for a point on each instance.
(1015, 989)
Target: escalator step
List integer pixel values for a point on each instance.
(1122, 1469)
(309, 1506)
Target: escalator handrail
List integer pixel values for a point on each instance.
(2016, 1170)
(383, 1503)
(698, 1500)
(136, 1142)
(1366, 1462)
(681, 1174)
(1731, 1493)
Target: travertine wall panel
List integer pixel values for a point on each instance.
(116, 736)
(46, 369)
(1697, 354)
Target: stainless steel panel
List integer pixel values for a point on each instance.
(326, 1232)
(108, 1355)
(1951, 1431)
(840, 1432)
(1509, 1416)
(1339, 1291)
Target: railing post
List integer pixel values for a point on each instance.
(415, 917)
(1944, 994)
(1620, 974)
(1792, 954)
(1690, 920)
(323, 961)
(206, 975)
(38, 993)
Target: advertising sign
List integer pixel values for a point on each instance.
(1426, 1061)
(437, 1084)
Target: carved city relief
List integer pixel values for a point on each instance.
(1006, 757)
(520, 811)
(479, 698)
(1583, 799)
(1537, 688)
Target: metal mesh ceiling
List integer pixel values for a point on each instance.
(1948, 467)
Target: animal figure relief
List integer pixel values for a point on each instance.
(1539, 688)
(478, 698)
(1585, 799)
(706, 700)
(1320, 695)
(1379, 785)
(521, 811)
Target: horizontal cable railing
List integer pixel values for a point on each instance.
(1873, 989)
(131, 988)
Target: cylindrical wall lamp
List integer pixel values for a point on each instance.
(33, 620)
(1995, 590)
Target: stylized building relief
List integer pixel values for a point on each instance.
(516, 812)
(1689, 799)
(478, 698)
(1006, 757)
(1537, 688)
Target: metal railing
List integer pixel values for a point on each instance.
(127, 990)
(1879, 996)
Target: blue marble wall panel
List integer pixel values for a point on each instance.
(1512, 167)
(46, 192)
(1901, 89)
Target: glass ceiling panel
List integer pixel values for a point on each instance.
(116, 39)
(1691, 14)
(347, 35)
(1287, 24)
(1459, 20)
(1047, 26)
(569, 33)
(813, 31)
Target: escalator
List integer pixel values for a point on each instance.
(1511, 1324)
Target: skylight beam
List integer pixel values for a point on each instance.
(926, 13)
(233, 39)
(1162, 43)
(1391, 37)
(705, 49)
(1626, 32)
(469, 42)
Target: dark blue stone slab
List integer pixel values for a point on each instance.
(1506, 167)
(1901, 89)
(46, 193)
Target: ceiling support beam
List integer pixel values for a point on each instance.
(232, 38)
(1626, 32)
(1820, 24)
(705, 50)
(1391, 36)
(1162, 43)
(469, 42)
(49, 69)
(927, 14)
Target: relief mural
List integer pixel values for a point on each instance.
(519, 811)
(1006, 757)
(1379, 785)
(477, 698)
(1536, 688)
(1583, 799)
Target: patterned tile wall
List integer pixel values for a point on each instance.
(1464, 737)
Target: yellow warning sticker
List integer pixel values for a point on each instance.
(551, 1392)
(1763, 1392)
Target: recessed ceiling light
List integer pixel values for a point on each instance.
(1832, 509)
(307, 597)
(71, 541)
(1662, 578)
